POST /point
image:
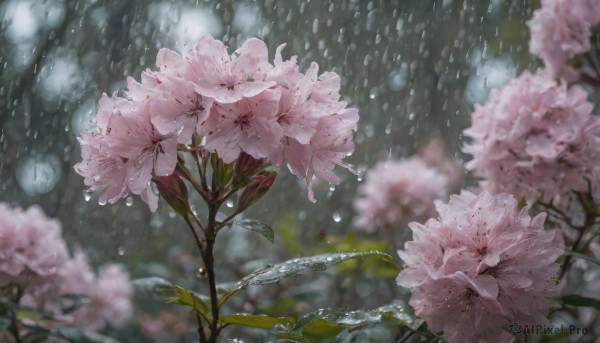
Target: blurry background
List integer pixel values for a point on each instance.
(414, 68)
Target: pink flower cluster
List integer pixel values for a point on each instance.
(561, 28)
(237, 103)
(109, 294)
(481, 264)
(398, 192)
(535, 138)
(32, 251)
(34, 258)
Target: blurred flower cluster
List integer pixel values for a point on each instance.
(37, 274)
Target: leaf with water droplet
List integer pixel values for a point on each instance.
(155, 285)
(257, 320)
(254, 225)
(189, 298)
(326, 323)
(298, 266)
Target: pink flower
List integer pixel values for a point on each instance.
(102, 168)
(229, 78)
(480, 265)
(147, 152)
(298, 116)
(398, 192)
(32, 250)
(331, 142)
(535, 138)
(250, 125)
(561, 28)
(173, 103)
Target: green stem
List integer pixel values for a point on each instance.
(209, 263)
(200, 328)
(14, 328)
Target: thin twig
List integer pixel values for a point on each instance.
(199, 241)
(200, 328)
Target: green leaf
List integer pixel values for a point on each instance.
(321, 329)
(189, 298)
(254, 225)
(584, 257)
(304, 265)
(398, 313)
(579, 301)
(71, 302)
(329, 322)
(154, 285)
(298, 266)
(72, 335)
(522, 203)
(257, 320)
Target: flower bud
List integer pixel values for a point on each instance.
(174, 191)
(221, 170)
(245, 168)
(258, 186)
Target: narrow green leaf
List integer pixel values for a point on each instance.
(257, 320)
(579, 301)
(321, 329)
(326, 323)
(522, 203)
(398, 314)
(254, 225)
(584, 257)
(154, 285)
(189, 298)
(72, 335)
(71, 302)
(274, 273)
(304, 265)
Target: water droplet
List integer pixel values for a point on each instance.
(229, 203)
(337, 217)
(129, 201)
(38, 174)
(87, 196)
(373, 93)
(101, 202)
(121, 251)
